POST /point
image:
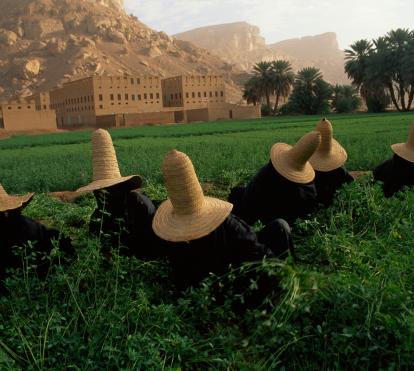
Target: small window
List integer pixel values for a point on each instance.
(138, 81)
(139, 96)
(126, 97)
(8, 107)
(119, 97)
(193, 94)
(112, 97)
(100, 106)
(44, 107)
(29, 107)
(211, 94)
(133, 96)
(187, 95)
(216, 93)
(100, 97)
(205, 94)
(199, 94)
(145, 96)
(222, 93)
(158, 95)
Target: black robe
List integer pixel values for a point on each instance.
(123, 219)
(328, 182)
(17, 230)
(269, 196)
(231, 243)
(395, 173)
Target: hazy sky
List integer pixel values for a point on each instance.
(280, 19)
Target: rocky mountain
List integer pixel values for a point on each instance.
(242, 45)
(45, 42)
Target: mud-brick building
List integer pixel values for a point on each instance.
(191, 92)
(202, 98)
(22, 116)
(109, 101)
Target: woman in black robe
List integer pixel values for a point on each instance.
(397, 172)
(200, 234)
(283, 188)
(123, 216)
(35, 240)
(328, 162)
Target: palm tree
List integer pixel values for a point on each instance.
(310, 93)
(308, 78)
(359, 67)
(357, 62)
(263, 74)
(398, 44)
(283, 78)
(251, 92)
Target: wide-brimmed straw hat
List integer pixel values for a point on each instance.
(105, 164)
(292, 162)
(406, 150)
(9, 203)
(187, 214)
(330, 154)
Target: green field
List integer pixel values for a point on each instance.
(347, 304)
(222, 152)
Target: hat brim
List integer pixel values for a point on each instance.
(183, 228)
(322, 161)
(10, 203)
(279, 161)
(106, 183)
(404, 151)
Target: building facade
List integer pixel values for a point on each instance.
(22, 116)
(81, 102)
(190, 92)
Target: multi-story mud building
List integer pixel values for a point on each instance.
(95, 100)
(117, 101)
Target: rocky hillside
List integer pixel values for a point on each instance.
(242, 45)
(45, 42)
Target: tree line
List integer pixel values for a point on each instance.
(381, 72)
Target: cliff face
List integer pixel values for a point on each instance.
(239, 37)
(45, 42)
(242, 45)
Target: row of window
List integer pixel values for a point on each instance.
(79, 109)
(201, 79)
(210, 94)
(138, 97)
(19, 107)
(137, 80)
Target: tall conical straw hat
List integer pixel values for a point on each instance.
(8, 203)
(330, 154)
(187, 214)
(406, 150)
(292, 162)
(105, 164)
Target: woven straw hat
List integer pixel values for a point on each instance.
(8, 203)
(330, 154)
(187, 214)
(406, 150)
(105, 165)
(292, 162)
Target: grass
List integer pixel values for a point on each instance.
(223, 152)
(348, 304)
